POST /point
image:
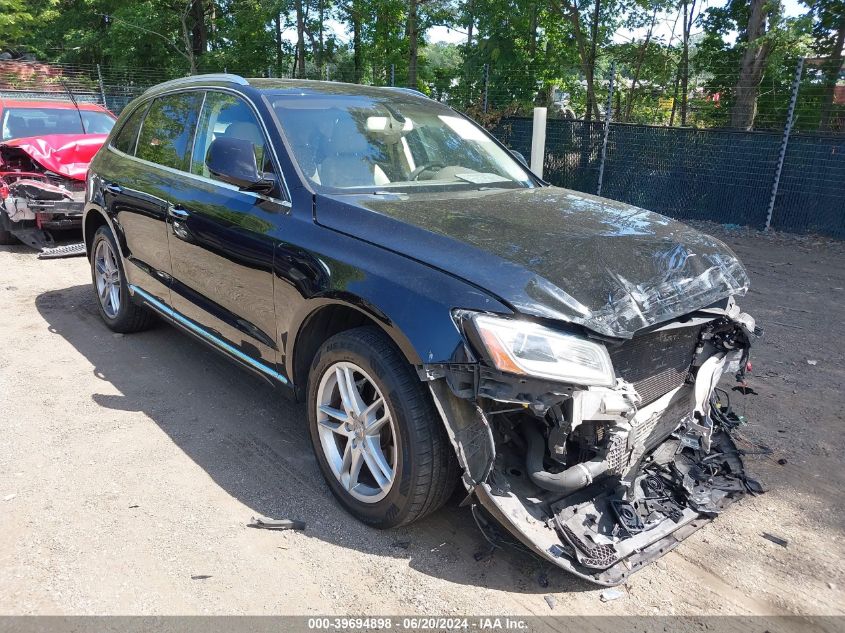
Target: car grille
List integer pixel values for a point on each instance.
(657, 362)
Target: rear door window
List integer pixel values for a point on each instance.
(168, 130)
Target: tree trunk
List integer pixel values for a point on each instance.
(532, 33)
(357, 52)
(199, 35)
(278, 21)
(675, 96)
(300, 40)
(470, 24)
(467, 85)
(751, 67)
(629, 106)
(413, 42)
(322, 53)
(594, 37)
(832, 69)
(186, 38)
(213, 38)
(569, 10)
(685, 61)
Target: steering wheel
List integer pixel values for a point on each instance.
(419, 170)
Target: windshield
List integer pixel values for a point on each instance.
(352, 143)
(25, 122)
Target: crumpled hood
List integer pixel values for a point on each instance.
(552, 252)
(64, 154)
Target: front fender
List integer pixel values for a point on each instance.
(410, 301)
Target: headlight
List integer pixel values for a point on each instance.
(519, 347)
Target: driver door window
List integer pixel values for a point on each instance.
(225, 115)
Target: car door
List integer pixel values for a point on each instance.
(152, 148)
(221, 240)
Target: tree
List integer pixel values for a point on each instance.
(762, 19)
(586, 49)
(299, 66)
(733, 72)
(15, 18)
(829, 41)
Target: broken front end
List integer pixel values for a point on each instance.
(598, 455)
(42, 185)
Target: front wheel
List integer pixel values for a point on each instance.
(6, 237)
(378, 440)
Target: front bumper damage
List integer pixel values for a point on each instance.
(32, 207)
(42, 186)
(602, 481)
(51, 206)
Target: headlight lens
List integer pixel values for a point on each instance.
(519, 347)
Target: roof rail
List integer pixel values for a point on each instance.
(191, 79)
(412, 91)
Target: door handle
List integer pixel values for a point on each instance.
(177, 213)
(179, 217)
(114, 189)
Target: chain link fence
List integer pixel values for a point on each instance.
(112, 87)
(697, 153)
(786, 172)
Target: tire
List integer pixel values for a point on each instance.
(128, 316)
(424, 468)
(6, 238)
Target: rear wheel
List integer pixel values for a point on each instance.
(117, 310)
(378, 440)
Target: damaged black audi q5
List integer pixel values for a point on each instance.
(445, 315)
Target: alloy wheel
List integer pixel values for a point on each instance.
(357, 433)
(107, 278)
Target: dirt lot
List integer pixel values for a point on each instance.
(130, 465)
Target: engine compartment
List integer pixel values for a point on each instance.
(35, 200)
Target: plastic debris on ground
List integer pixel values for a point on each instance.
(611, 594)
(276, 524)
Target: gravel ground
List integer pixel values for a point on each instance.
(130, 466)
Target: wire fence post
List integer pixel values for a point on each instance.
(787, 130)
(102, 87)
(392, 74)
(486, 84)
(607, 117)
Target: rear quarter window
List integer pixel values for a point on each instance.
(128, 134)
(168, 130)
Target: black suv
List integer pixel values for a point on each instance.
(443, 312)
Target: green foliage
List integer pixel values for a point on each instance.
(15, 19)
(717, 59)
(526, 52)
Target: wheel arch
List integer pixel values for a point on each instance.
(328, 316)
(96, 216)
(92, 221)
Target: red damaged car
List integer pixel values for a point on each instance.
(45, 148)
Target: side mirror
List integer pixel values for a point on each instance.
(232, 160)
(518, 156)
